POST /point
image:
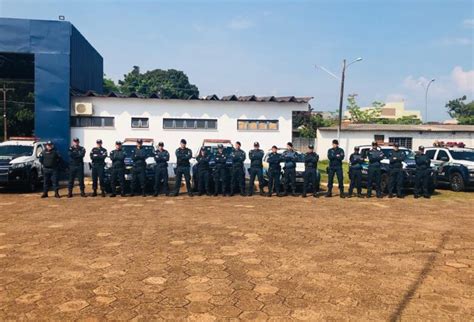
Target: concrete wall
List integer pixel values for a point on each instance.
(226, 113)
(350, 139)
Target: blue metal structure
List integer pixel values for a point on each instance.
(64, 61)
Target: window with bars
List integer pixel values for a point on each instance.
(257, 125)
(92, 121)
(402, 141)
(190, 124)
(140, 123)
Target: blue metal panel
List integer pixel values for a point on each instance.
(14, 35)
(50, 36)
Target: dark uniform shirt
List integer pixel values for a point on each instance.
(274, 159)
(76, 155)
(396, 158)
(238, 157)
(256, 156)
(50, 158)
(202, 162)
(220, 158)
(289, 157)
(422, 161)
(162, 158)
(139, 157)
(335, 156)
(118, 159)
(183, 156)
(375, 156)
(311, 160)
(98, 155)
(356, 161)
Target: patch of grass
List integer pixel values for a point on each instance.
(322, 167)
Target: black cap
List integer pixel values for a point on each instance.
(139, 141)
(49, 143)
(256, 144)
(311, 146)
(161, 144)
(335, 141)
(118, 143)
(220, 146)
(374, 143)
(421, 148)
(98, 141)
(274, 147)
(183, 141)
(290, 144)
(75, 140)
(396, 145)
(238, 142)
(356, 148)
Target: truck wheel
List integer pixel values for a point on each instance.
(32, 183)
(384, 182)
(456, 181)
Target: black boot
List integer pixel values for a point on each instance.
(56, 194)
(94, 193)
(83, 194)
(113, 195)
(329, 194)
(262, 193)
(44, 195)
(102, 193)
(303, 195)
(69, 194)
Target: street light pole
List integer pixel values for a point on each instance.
(4, 90)
(426, 99)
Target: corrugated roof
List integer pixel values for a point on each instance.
(213, 97)
(403, 127)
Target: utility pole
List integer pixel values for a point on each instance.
(341, 99)
(4, 90)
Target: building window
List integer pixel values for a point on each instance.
(257, 125)
(140, 122)
(402, 141)
(92, 121)
(379, 138)
(190, 124)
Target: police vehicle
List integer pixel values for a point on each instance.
(210, 145)
(455, 166)
(128, 146)
(409, 167)
(299, 167)
(19, 163)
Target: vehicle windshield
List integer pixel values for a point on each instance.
(15, 150)
(408, 153)
(129, 149)
(299, 155)
(463, 155)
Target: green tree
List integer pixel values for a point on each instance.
(461, 111)
(110, 86)
(169, 83)
(363, 116)
(20, 109)
(309, 128)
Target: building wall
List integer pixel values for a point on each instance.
(350, 139)
(226, 113)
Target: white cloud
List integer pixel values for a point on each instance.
(464, 80)
(468, 23)
(395, 97)
(240, 23)
(459, 41)
(414, 84)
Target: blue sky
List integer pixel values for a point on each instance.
(271, 47)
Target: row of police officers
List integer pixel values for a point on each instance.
(234, 182)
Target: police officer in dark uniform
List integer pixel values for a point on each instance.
(355, 172)
(374, 172)
(220, 175)
(256, 168)
(183, 155)
(139, 157)
(50, 160)
(238, 157)
(289, 168)
(98, 155)
(274, 171)
(335, 156)
(311, 159)
(76, 167)
(203, 172)
(117, 157)
(162, 157)
(423, 172)
(396, 158)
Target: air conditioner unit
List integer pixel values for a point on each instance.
(83, 109)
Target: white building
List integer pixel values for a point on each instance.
(410, 136)
(247, 119)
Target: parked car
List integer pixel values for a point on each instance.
(129, 146)
(299, 168)
(409, 167)
(19, 163)
(455, 166)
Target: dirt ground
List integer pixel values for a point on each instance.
(256, 258)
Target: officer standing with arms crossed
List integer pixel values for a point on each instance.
(423, 172)
(238, 172)
(139, 157)
(335, 156)
(203, 172)
(220, 175)
(374, 171)
(50, 160)
(76, 167)
(274, 172)
(161, 170)
(355, 172)
(311, 159)
(183, 155)
(396, 158)
(118, 169)
(289, 157)
(256, 168)
(98, 155)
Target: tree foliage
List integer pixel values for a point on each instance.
(363, 116)
(308, 123)
(461, 111)
(169, 83)
(110, 86)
